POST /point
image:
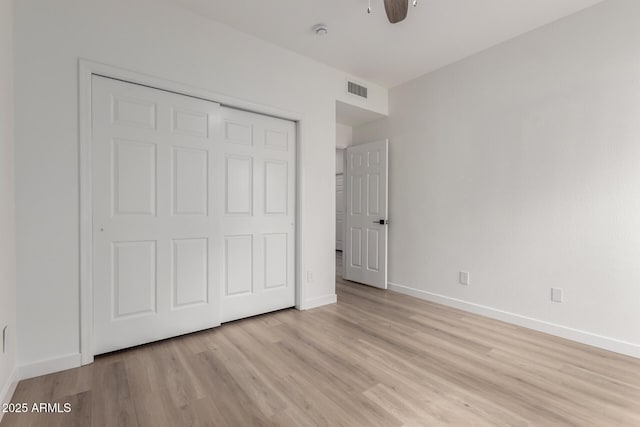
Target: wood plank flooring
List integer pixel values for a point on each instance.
(376, 358)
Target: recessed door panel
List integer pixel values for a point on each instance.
(356, 247)
(373, 252)
(238, 265)
(374, 158)
(134, 278)
(276, 140)
(357, 160)
(356, 195)
(134, 177)
(190, 181)
(133, 112)
(239, 133)
(373, 194)
(275, 261)
(276, 183)
(192, 123)
(190, 272)
(239, 190)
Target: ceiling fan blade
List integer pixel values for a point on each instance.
(396, 10)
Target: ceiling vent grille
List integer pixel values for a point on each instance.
(357, 89)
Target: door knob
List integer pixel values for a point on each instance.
(381, 221)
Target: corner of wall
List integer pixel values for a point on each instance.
(377, 96)
(49, 366)
(8, 371)
(344, 136)
(6, 393)
(580, 336)
(319, 301)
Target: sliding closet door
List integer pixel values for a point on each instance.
(258, 219)
(193, 213)
(155, 205)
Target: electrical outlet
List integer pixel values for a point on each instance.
(309, 277)
(556, 294)
(463, 278)
(4, 339)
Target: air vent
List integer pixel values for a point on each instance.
(356, 89)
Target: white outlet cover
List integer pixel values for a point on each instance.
(463, 278)
(556, 294)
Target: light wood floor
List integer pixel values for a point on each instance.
(376, 358)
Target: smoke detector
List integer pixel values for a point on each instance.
(320, 29)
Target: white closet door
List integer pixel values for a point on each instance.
(193, 213)
(258, 217)
(156, 256)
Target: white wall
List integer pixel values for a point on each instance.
(344, 138)
(160, 39)
(521, 165)
(344, 135)
(7, 202)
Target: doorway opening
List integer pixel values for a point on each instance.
(348, 118)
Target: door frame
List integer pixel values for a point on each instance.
(88, 68)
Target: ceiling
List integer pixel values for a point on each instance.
(435, 33)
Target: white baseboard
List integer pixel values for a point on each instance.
(6, 393)
(49, 366)
(319, 301)
(606, 343)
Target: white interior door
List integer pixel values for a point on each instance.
(193, 214)
(339, 212)
(365, 252)
(258, 219)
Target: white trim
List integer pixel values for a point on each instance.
(320, 301)
(49, 366)
(300, 289)
(594, 340)
(9, 388)
(86, 221)
(86, 69)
